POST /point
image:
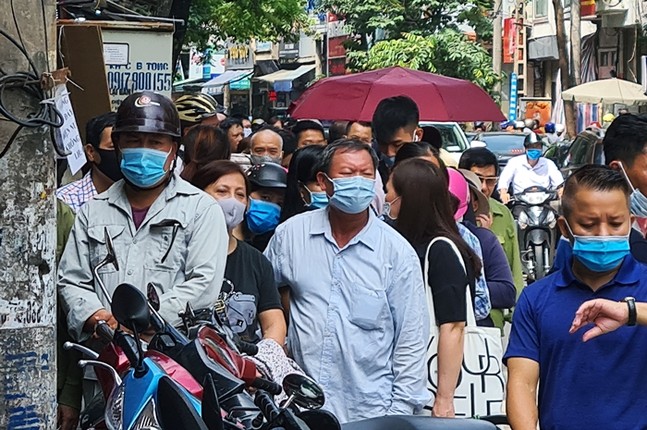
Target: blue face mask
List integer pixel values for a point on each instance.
(143, 167)
(318, 200)
(533, 154)
(262, 216)
(600, 253)
(638, 200)
(352, 195)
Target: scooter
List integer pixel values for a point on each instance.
(536, 227)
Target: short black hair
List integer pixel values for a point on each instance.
(344, 145)
(289, 141)
(307, 124)
(94, 128)
(593, 177)
(362, 123)
(392, 114)
(338, 130)
(479, 157)
(230, 122)
(625, 139)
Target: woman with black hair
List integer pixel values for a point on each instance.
(303, 191)
(421, 207)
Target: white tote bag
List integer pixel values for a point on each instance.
(481, 384)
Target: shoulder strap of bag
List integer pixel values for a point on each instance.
(471, 318)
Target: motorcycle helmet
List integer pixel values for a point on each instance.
(519, 125)
(550, 127)
(529, 123)
(147, 112)
(193, 108)
(531, 139)
(267, 175)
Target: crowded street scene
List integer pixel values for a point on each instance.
(323, 214)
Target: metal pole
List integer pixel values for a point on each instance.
(27, 235)
(497, 43)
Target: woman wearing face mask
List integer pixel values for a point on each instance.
(268, 183)
(303, 192)
(419, 202)
(254, 301)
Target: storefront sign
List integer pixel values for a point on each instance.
(512, 114)
(509, 40)
(587, 8)
(137, 61)
(238, 57)
(288, 50)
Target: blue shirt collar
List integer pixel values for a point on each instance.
(321, 225)
(628, 275)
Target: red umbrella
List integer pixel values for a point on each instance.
(355, 97)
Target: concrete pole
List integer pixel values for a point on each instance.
(576, 42)
(27, 236)
(497, 42)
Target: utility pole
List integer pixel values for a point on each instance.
(576, 42)
(497, 43)
(27, 231)
(569, 108)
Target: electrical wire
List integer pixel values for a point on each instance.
(30, 83)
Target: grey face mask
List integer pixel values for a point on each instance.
(260, 159)
(638, 201)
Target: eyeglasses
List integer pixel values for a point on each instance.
(489, 180)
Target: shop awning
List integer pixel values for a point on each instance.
(282, 80)
(543, 48)
(227, 77)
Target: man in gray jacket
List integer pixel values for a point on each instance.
(165, 231)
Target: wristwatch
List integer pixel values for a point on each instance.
(633, 316)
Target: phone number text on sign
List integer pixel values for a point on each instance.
(123, 80)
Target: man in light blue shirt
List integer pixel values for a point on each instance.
(359, 322)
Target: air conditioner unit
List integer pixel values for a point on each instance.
(605, 7)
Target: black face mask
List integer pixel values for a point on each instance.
(109, 164)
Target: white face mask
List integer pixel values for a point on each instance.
(247, 132)
(234, 211)
(387, 208)
(638, 201)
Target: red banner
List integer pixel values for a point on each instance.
(587, 8)
(509, 40)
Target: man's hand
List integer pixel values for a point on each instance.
(607, 316)
(505, 197)
(67, 418)
(100, 315)
(443, 408)
(484, 221)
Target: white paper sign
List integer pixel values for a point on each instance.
(116, 54)
(68, 134)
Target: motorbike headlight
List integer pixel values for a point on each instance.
(115, 408)
(148, 418)
(522, 220)
(551, 221)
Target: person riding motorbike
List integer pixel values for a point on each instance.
(528, 170)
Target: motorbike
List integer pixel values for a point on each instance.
(536, 227)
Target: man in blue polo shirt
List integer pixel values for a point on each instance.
(597, 384)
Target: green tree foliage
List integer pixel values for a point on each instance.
(419, 17)
(448, 53)
(243, 20)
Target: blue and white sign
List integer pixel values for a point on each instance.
(514, 98)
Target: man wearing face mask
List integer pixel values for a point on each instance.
(266, 146)
(268, 183)
(529, 170)
(395, 123)
(576, 378)
(104, 170)
(165, 231)
(358, 317)
(624, 143)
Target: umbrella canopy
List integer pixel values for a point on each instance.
(355, 97)
(607, 91)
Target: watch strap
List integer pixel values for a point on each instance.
(633, 315)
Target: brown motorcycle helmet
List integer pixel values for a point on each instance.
(147, 112)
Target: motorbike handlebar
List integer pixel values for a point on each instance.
(246, 347)
(266, 385)
(104, 331)
(267, 405)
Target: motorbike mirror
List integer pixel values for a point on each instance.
(112, 256)
(153, 297)
(130, 308)
(304, 391)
